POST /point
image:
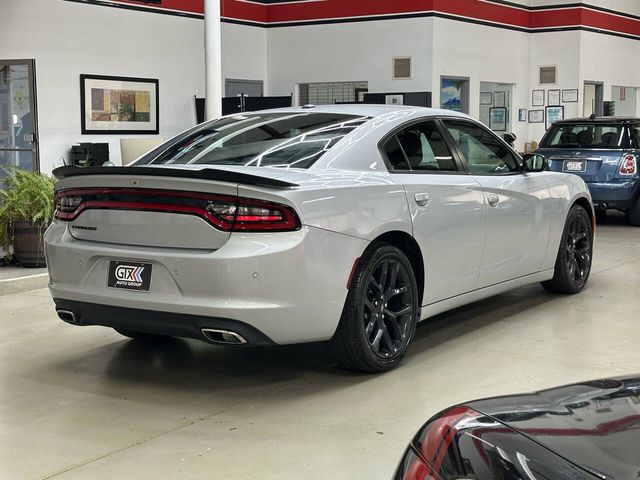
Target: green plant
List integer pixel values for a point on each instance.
(25, 197)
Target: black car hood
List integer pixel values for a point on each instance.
(594, 425)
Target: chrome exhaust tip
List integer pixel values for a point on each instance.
(225, 337)
(68, 316)
(602, 206)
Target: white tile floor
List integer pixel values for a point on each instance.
(85, 403)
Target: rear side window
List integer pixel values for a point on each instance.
(287, 140)
(584, 135)
(419, 147)
(481, 150)
(635, 136)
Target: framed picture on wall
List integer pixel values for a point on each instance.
(499, 99)
(119, 105)
(570, 96)
(522, 115)
(553, 98)
(536, 116)
(498, 119)
(537, 98)
(553, 114)
(486, 98)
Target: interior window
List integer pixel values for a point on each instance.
(419, 147)
(482, 151)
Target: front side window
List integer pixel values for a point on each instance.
(481, 150)
(419, 147)
(584, 135)
(286, 140)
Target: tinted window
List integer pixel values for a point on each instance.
(481, 150)
(419, 147)
(290, 140)
(635, 136)
(584, 136)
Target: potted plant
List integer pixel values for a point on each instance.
(26, 209)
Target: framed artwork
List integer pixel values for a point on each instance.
(452, 91)
(553, 114)
(537, 98)
(553, 98)
(486, 98)
(498, 119)
(394, 99)
(536, 116)
(499, 99)
(570, 96)
(119, 105)
(522, 115)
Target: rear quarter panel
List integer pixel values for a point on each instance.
(564, 191)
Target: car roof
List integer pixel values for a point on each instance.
(607, 120)
(366, 110)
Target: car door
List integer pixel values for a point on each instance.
(446, 205)
(517, 203)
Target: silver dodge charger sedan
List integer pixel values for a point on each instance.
(347, 224)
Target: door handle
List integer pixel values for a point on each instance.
(493, 199)
(422, 199)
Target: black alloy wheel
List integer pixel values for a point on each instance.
(380, 314)
(573, 263)
(387, 308)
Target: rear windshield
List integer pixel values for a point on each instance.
(594, 135)
(287, 140)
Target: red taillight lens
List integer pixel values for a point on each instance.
(223, 212)
(628, 165)
(413, 467)
(435, 439)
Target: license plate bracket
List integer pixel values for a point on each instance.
(129, 275)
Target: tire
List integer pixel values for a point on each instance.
(373, 335)
(633, 214)
(573, 263)
(143, 337)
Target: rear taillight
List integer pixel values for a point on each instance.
(223, 212)
(434, 441)
(628, 166)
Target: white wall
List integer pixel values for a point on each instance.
(350, 52)
(496, 55)
(244, 53)
(67, 39)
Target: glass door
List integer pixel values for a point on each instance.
(18, 120)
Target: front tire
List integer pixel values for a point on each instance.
(380, 315)
(573, 263)
(633, 214)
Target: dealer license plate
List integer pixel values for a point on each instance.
(129, 275)
(575, 165)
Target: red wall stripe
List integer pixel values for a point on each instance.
(553, 17)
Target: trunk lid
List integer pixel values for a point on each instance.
(595, 165)
(595, 425)
(152, 206)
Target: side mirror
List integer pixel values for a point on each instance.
(510, 138)
(534, 162)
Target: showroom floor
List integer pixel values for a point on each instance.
(80, 403)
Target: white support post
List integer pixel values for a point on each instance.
(213, 59)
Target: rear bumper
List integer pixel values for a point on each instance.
(290, 287)
(620, 193)
(157, 323)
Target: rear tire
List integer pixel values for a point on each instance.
(633, 214)
(140, 336)
(573, 263)
(380, 314)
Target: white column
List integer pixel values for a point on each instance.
(213, 59)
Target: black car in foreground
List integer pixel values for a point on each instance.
(588, 430)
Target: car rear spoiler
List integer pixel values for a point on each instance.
(202, 174)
